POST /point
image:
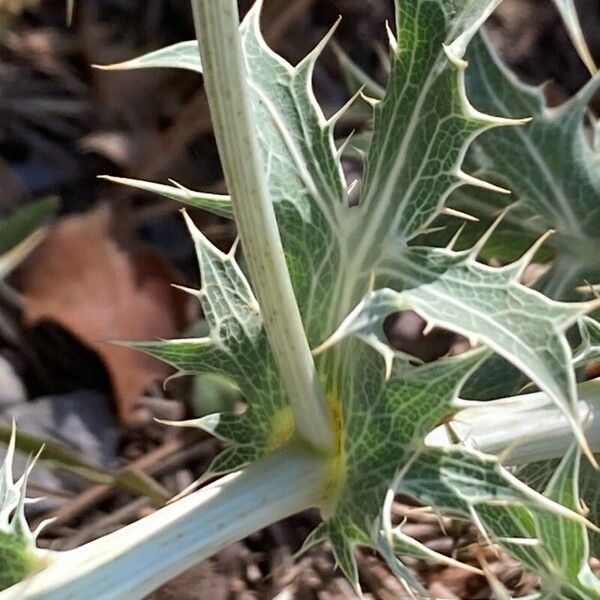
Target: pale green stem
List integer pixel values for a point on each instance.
(525, 428)
(133, 561)
(217, 27)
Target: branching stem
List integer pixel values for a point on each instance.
(217, 27)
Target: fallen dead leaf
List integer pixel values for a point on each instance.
(81, 279)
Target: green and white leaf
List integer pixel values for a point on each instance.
(465, 483)
(218, 204)
(383, 426)
(551, 168)
(452, 290)
(183, 55)
(560, 556)
(539, 474)
(563, 545)
(548, 164)
(320, 233)
(424, 123)
(236, 348)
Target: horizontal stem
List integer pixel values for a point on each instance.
(133, 561)
(526, 428)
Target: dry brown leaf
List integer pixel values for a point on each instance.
(81, 279)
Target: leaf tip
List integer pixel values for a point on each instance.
(311, 58)
(392, 41)
(467, 179)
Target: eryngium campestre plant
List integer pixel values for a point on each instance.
(365, 421)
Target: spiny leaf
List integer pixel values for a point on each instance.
(460, 481)
(237, 348)
(304, 173)
(548, 164)
(551, 169)
(184, 55)
(10, 491)
(452, 290)
(539, 474)
(561, 553)
(571, 553)
(465, 483)
(383, 424)
(424, 123)
(218, 204)
(546, 533)
(303, 168)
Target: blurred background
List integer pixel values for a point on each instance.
(101, 268)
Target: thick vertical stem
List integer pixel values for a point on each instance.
(217, 26)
